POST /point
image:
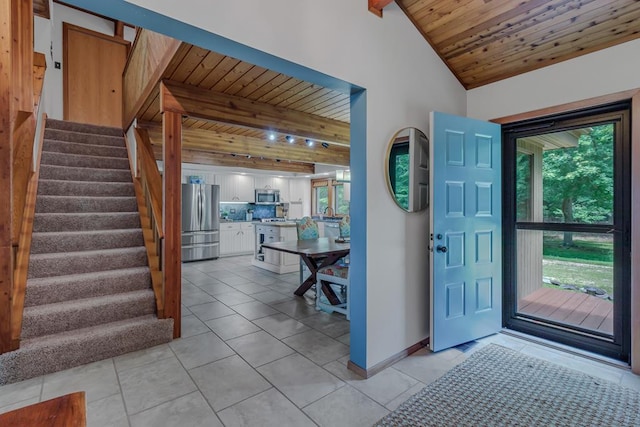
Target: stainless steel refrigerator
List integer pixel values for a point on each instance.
(200, 222)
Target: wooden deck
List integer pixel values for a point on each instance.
(573, 308)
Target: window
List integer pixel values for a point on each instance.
(328, 198)
(341, 206)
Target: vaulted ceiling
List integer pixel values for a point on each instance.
(483, 41)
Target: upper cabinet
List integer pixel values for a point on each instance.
(299, 190)
(236, 188)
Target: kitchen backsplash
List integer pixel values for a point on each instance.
(238, 211)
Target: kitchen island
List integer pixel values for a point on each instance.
(268, 259)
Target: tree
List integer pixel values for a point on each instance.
(578, 181)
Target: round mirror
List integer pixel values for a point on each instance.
(407, 167)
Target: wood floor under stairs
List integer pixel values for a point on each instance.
(89, 294)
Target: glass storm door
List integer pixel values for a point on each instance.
(567, 229)
(466, 217)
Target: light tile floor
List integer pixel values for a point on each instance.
(252, 354)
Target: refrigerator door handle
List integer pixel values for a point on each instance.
(202, 205)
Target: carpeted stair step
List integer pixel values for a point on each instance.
(53, 187)
(86, 138)
(80, 161)
(84, 174)
(47, 290)
(46, 222)
(62, 264)
(60, 204)
(84, 149)
(83, 127)
(44, 355)
(64, 316)
(76, 241)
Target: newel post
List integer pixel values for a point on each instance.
(6, 174)
(172, 205)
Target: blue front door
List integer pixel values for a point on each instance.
(466, 255)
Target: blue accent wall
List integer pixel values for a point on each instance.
(141, 17)
(358, 273)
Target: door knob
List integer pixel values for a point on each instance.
(441, 248)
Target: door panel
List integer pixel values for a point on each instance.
(93, 66)
(466, 225)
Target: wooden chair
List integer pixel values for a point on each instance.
(336, 274)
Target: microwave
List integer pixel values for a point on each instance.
(267, 196)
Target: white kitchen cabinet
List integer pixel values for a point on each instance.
(276, 261)
(236, 238)
(299, 190)
(236, 188)
(299, 198)
(247, 237)
(229, 238)
(263, 182)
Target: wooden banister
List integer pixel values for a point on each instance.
(148, 188)
(148, 59)
(149, 168)
(24, 247)
(23, 137)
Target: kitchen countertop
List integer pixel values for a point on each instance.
(278, 224)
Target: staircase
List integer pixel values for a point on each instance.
(89, 294)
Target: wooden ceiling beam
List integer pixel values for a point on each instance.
(217, 142)
(41, 8)
(210, 105)
(229, 160)
(376, 6)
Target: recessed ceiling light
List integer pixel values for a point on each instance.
(309, 142)
(290, 139)
(271, 136)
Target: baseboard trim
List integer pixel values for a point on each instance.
(368, 373)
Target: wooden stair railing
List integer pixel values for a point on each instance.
(148, 187)
(25, 187)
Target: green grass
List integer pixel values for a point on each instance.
(579, 274)
(589, 262)
(597, 250)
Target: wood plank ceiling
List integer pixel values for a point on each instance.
(230, 144)
(483, 41)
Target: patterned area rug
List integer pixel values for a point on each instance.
(497, 386)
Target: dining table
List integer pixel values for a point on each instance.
(316, 254)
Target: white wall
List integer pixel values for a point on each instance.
(600, 73)
(48, 40)
(404, 79)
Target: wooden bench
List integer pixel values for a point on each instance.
(64, 411)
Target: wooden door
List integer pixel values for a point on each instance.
(93, 66)
(466, 218)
